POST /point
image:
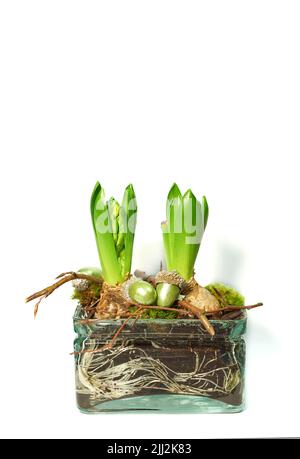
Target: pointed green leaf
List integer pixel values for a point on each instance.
(127, 224)
(173, 194)
(166, 242)
(175, 225)
(205, 209)
(193, 231)
(104, 237)
(183, 230)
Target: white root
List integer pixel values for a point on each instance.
(104, 378)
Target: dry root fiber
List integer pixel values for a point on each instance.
(112, 303)
(129, 370)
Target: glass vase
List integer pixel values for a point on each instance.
(159, 365)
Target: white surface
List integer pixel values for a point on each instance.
(202, 93)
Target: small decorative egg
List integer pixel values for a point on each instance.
(142, 292)
(167, 294)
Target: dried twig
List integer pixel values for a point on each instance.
(92, 306)
(207, 325)
(229, 307)
(234, 308)
(114, 338)
(200, 314)
(36, 307)
(231, 315)
(63, 278)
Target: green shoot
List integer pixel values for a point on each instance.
(183, 230)
(114, 228)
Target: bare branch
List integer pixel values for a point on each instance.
(65, 277)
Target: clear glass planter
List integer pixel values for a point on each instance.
(159, 365)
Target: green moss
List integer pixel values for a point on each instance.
(229, 294)
(87, 297)
(95, 289)
(76, 295)
(155, 314)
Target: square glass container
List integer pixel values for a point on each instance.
(159, 365)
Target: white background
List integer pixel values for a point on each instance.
(151, 92)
